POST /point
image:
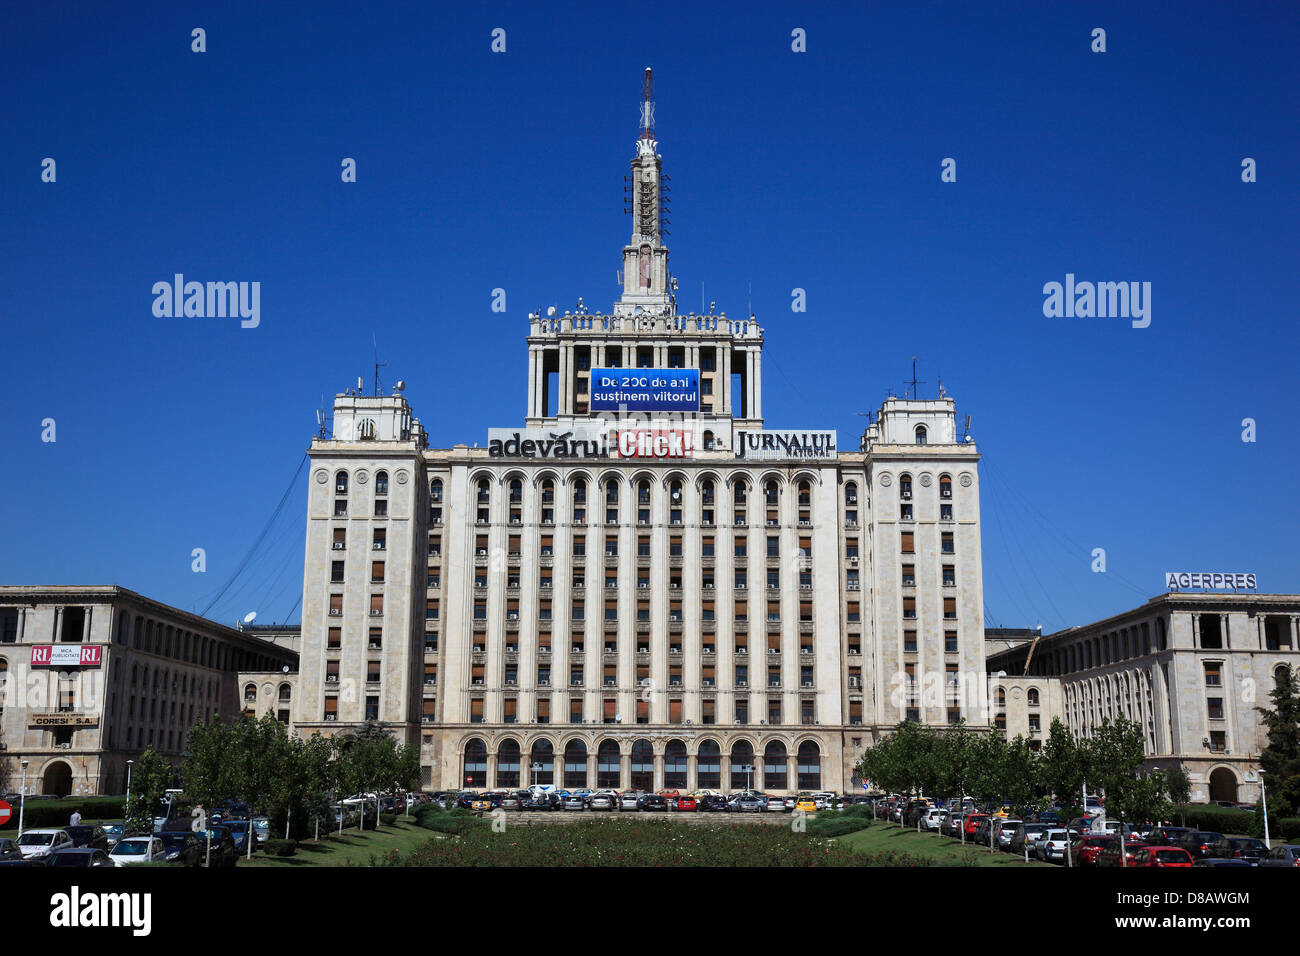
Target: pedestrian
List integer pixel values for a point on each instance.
(76, 819)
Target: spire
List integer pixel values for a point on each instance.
(645, 258)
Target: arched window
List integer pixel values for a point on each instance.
(250, 691)
(905, 486)
(1032, 696)
(475, 774)
(810, 766)
(4, 677)
(516, 491)
(548, 491)
(611, 492)
(675, 765)
(285, 693)
(1280, 673)
(541, 762)
(341, 483)
(706, 491)
(921, 435)
(775, 766)
(580, 491)
(575, 764)
(608, 760)
(366, 429)
(772, 492)
(945, 486)
(708, 766)
(435, 491)
(484, 491)
(381, 482)
(738, 493)
(805, 494)
(642, 493)
(851, 493)
(508, 763)
(742, 765)
(708, 441)
(643, 765)
(675, 502)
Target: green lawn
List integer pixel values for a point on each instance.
(352, 849)
(882, 837)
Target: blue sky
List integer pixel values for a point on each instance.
(816, 170)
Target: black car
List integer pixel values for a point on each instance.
(1199, 843)
(466, 798)
(652, 801)
(78, 856)
(87, 836)
(183, 847)
(9, 850)
(1240, 848)
(1222, 861)
(1166, 836)
(223, 847)
(712, 802)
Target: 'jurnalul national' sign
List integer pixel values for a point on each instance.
(772, 445)
(645, 389)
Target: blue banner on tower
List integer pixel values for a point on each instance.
(645, 389)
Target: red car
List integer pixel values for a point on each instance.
(1091, 845)
(686, 802)
(1108, 855)
(972, 821)
(1162, 856)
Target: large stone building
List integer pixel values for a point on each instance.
(641, 586)
(91, 676)
(1189, 668)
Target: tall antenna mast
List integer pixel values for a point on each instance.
(378, 364)
(648, 106)
(914, 382)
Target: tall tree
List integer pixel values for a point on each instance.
(1179, 787)
(150, 778)
(1280, 759)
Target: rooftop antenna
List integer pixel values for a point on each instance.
(378, 364)
(648, 106)
(914, 382)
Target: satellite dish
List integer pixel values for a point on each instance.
(401, 386)
(285, 669)
(250, 617)
(551, 310)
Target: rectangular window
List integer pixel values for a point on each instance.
(1213, 674)
(377, 572)
(334, 639)
(909, 575)
(336, 572)
(950, 609)
(909, 608)
(947, 542)
(1215, 708)
(908, 546)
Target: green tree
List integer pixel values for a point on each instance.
(1115, 754)
(989, 762)
(208, 773)
(1280, 758)
(150, 778)
(1179, 787)
(1062, 768)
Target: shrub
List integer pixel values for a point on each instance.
(277, 847)
(850, 820)
(447, 821)
(388, 819)
(644, 843)
(1214, 818)
(57, 813)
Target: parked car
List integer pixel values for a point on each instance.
(1109, 855)
(223, 847)
(37, 844)
(652, 801)
(757, 803)
(687, 803)
(774, 805)
(88, 835)
(1199, 843)
(629, 800)
(183, 847)
(1222, 861)
(1165, 836)
(970, 823)
(670, 798)
(716, 803)
(83, 856)
(1051, 847)
(1006, 832)
(9, 850)
(1288, 854)
(608, 800)
(1029, 833)
(1162, 857)
(932, 818)
(805, 803)
(482, 803)
(575, 801)
(239, 832)
(138, 849)
(1091, 845)
(114, 832)
(514, 799)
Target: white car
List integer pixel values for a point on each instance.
(933, 817)
(138, 849)
(37, 844)
(1052, 845)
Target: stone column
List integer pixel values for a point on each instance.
(658, 783)
(85, 629)
(758, 384)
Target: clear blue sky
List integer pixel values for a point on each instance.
(818, 170)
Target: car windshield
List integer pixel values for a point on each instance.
(1171, 856)
(36, 839)
(69, 858)
(131, 848)
(173, 839)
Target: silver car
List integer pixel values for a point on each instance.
(574, 802)
(776, 804)
(627, 800)
(603, 800)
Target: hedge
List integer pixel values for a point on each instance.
(833, 824)
(643, 843)
(58, 813)
(432, 817)
(1213, 818)
(277, 847)
(388, 819)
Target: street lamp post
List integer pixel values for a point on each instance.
(126, 807)
(749, 773)
(22, 799)
(1263, 792)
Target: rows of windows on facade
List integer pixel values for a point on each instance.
(610, 503)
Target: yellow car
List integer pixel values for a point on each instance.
(806, 803)
(1004, 812)
(481, 803)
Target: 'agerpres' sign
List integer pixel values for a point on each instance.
(1209, 581)
(772, 445)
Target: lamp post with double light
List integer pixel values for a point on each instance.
(22, 798)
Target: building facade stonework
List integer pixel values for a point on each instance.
(670, 595)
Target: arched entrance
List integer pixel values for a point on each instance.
(1223, 785)
(57, 780)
